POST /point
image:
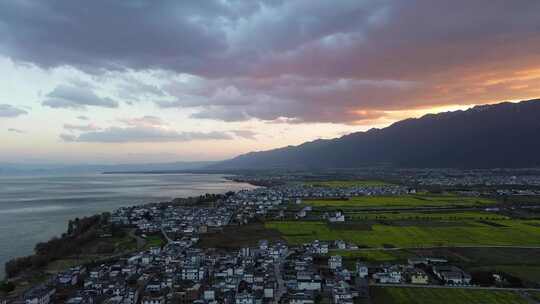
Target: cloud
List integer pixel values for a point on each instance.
(68, 137)
(246, 134)
(102, 35)
(291, 98)
(135, 90)
(88, 127)
(228, 114)
(83, 117)
(142, 134)
(145, 121)
(7, 110)
(296, 61)
(145, 129)
(69, 96)
(18, 131)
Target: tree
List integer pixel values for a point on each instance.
(7, 286)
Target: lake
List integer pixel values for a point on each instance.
(36, 208)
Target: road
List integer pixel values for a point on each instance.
(166, 236)
(281, 289)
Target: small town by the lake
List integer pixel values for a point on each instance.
(270, 152)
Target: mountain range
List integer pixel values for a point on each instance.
(488, 136)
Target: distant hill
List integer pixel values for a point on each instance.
(488, 136)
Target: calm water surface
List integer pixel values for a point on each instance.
(36, 208)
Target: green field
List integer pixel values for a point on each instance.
(348, 183)
(401, 201)
(390, 295)
(426, 216)
(501, 233)
(491, 256)
(154, 241)
(525, 272)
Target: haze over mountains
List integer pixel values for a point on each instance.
(33, 169)
(505, 135)
(490, 136)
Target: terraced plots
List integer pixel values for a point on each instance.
(427, 216)
(349, 183)
(467, 233)
(402, 295)
(401, 201)
(403, 221)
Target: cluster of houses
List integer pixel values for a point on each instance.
(268, 273)
(418, 271)
(307, 281)
(180, 272)
(149, 219)
(314, 191)
(488, 177)
(173, 274)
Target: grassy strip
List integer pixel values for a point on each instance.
(389, 295)
(428, 216)
(526, 273)
(401, 201)
(349, 183)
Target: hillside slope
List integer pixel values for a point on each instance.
(500, 135)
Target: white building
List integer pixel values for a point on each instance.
(335, 262)
(362, 270)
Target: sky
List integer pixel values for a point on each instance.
(157, 81)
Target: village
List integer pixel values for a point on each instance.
(180, 271)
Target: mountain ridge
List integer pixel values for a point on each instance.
(484, 136)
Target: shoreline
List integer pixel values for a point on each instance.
(95, 204)
(45, 273)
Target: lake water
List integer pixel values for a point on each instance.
(36, 208)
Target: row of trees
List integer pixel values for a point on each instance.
(80, 231)
(6, 286)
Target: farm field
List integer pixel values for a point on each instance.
(401, 201)
(535, 295)
(401, 295)
(427, 216)
(414, 234)
(516, 258)
(239, 236)
(154, 241)
(372, 256)
(496, 256)
(525, 272)
(349, 183)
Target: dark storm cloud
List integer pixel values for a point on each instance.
(7, 110)
(296, 98)
(96, 35)
(210, 38)
(307, 61)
